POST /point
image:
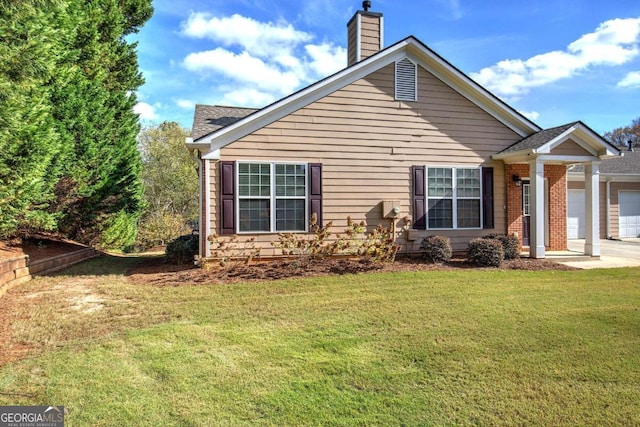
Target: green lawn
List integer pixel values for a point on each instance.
(433, 348)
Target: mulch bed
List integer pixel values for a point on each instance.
(158, 272)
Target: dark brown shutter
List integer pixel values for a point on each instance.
(487, 198)
(315, 191)
(227, 197)
(418, 197)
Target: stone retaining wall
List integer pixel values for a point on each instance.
(19, 269)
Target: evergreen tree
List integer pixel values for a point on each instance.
(100, 194)
(29, 142)
(68, 154)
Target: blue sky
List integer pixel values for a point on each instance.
(555, 61)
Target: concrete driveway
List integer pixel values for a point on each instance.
(613, 253)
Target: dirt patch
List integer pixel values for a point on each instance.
(157, 272)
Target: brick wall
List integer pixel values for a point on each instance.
(557, 180)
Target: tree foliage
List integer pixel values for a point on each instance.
(621, 136)
(29, 140)
(170, 178)
(68, 132)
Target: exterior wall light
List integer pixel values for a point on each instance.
(517, 180)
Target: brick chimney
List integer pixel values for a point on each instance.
(364, 34)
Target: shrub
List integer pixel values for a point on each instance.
(379, 246)
(436, 249)
(376, 246)
(305, 247)
(228, 252)
(158, 229)
(510, 244)
(182, 249)
(485, 252)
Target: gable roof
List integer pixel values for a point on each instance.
(538, 139)
(409, 47)
(209, 118)
(627, 164)
(542, 142)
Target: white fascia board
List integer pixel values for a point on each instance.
(515, 156)
(563, 159)
(212, 154)
(292, 103)
(605, 149)
(604, 177)
(585, 138)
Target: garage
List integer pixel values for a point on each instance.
(575, 214)
(629, 213)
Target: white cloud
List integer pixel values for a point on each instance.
(185, 103)
(145, 111)
(257, 61)
(531, 115)
(244, 69)
(262, 39)
(247, 97)
(326, 58)
(613, 43)
(631, 80)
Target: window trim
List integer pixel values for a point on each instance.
(454, 198)
(273, 198)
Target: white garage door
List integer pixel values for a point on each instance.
(629, 213)
(575, 214)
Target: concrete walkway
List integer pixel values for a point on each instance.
(613, 254)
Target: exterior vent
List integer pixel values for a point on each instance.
(406, 80)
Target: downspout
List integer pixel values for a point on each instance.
(207, 208)
(607, 210)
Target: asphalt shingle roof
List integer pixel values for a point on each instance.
(209, 118)
(538, 139)
(628, 164)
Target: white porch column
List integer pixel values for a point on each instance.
(536, 195)
(592, 209)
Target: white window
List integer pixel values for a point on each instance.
(454, 198)
(406, 80)
(272, 197)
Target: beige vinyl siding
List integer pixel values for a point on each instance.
(367, 143)
(570, 148)
(352, 39)
(370, 34)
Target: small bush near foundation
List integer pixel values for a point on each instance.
(182, 250)
(436, 249)
(307, 247)
(510, 244)
(485, 252)
(229, 252)
(375, 246)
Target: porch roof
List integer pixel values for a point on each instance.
(541, 143)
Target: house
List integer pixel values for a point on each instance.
(400, 137)
(619, 202)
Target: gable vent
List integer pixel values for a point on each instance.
(406, 80)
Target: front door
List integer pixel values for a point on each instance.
(526, 213)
